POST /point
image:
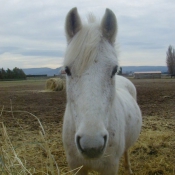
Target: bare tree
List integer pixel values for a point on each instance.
(170, 60)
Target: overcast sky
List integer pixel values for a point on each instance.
(32, 31)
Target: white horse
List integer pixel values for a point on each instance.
(101, 120)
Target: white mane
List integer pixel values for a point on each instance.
(84, 45)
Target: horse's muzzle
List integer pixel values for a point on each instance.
(91, 147)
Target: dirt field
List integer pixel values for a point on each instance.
(154, 154)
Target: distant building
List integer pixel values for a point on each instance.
(151, 74)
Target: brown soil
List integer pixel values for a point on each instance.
(155, 98)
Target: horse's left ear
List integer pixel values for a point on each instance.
(72, 24)
(109, 26)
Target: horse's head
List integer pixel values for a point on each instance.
(90, 63)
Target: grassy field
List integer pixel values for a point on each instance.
(31, 127)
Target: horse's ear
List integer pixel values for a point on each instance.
(73, 23)
(109, 26)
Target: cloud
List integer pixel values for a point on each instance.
(9, 60)
(32, 32)
(140, 58)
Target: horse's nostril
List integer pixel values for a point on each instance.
(105, 139)
(78, 143)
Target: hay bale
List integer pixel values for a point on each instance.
(55, 84)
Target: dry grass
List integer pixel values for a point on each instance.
(24, 152)
(40, 152)
(55, 84)
(154, 153)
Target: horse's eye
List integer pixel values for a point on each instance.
(114, 71)
(67, 70)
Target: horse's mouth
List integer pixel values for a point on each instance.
(92, 153)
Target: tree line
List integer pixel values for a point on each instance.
(16, 73)
(170, 60)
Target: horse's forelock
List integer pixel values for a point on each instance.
(83, 48)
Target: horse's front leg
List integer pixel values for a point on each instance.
(110, 170)
(127, 163)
